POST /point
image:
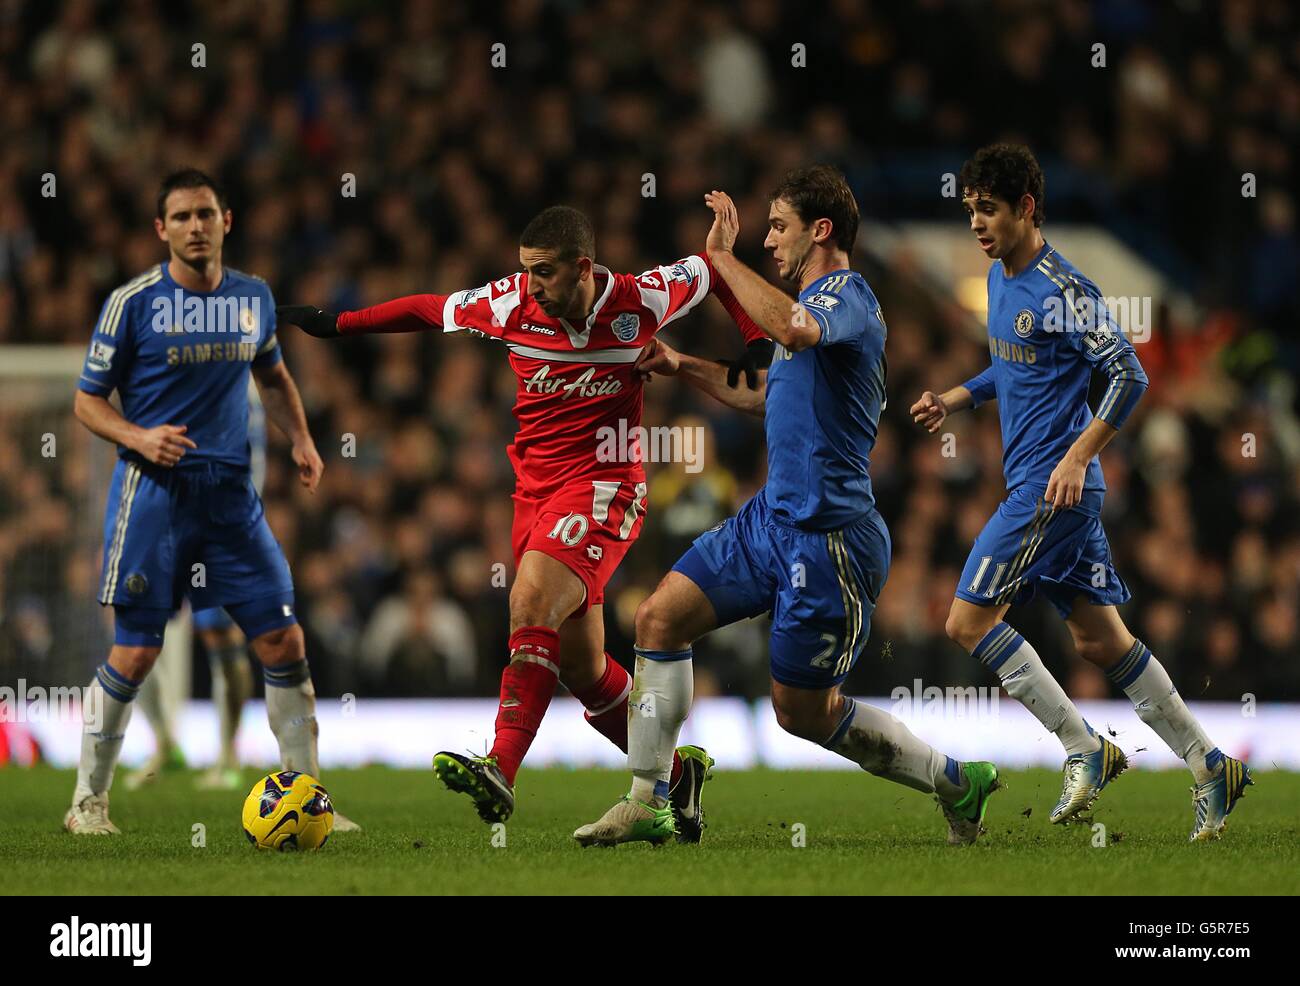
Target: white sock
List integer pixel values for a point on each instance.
(291, 710)
(1026, 680)
(880, 744)
(232, 684)
(150, 701)
(105, 713)
(1159, 705)
(662, 689)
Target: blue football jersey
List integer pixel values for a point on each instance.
(823, 408)
(1049, 329)
(183, 358)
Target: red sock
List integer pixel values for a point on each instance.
(606, 704)
(527, 685)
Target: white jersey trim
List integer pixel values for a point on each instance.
(628, 355)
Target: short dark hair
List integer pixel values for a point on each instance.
(188, 178)
(820, 192)
(562, 229)
(1008, 172)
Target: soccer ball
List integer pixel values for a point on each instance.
(288, 810)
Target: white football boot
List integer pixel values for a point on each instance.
(90, 817)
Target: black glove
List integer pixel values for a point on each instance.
(313, 321)
(757, 356)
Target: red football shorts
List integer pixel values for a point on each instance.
(586, 525)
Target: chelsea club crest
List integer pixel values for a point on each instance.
(626, 326)
(1025, 323)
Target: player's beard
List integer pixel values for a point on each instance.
(202, 263)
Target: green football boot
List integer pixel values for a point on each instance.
(481, 779)
(684, 796)
(966, 816)
(630, 821)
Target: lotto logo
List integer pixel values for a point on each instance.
(595, 552)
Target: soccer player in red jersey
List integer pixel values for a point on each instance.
(574, 331)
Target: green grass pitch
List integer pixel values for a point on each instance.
(863, 835)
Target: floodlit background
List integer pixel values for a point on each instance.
(1168, 133)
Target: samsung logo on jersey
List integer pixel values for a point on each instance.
(212, 352)
(233, 314)
(1012, 352)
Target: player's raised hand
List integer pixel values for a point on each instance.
(929, 411)
(726, 223)
(312, 320)
(657, 357)
(164, 445)
(1065, 485)
(309, 463)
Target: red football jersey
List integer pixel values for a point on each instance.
(577, 394)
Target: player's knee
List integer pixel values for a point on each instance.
(798, 722)
(963, 630)
(955, 628)
(1089, 648)
(1102, 650)
(532, 606)
(811, 715)
(656, 627)
(133, 663)
(283, 645)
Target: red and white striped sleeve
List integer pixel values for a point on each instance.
(485, 309)
(673, 290)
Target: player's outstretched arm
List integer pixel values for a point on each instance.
(413, 313)
(163, 445)
(284, 408)
(712, 378)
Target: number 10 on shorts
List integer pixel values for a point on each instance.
(570, 529)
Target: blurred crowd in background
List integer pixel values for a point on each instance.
(402, 560)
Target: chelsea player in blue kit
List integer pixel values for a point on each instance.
(177, 344)
(1049, 332)
(809, 547)
(227, 650)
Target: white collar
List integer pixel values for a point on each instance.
(579, 339)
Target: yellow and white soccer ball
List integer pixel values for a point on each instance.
(287, 811)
